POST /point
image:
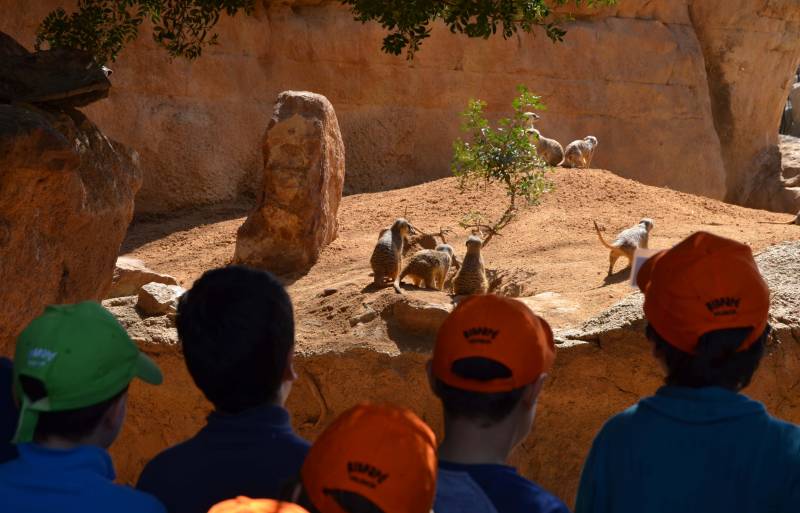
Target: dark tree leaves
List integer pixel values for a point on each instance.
(104, 27)
(409, 21)
(185, 27)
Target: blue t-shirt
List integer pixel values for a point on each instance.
(704, 450)
(252, 453)
(508, 491)
(79, 480)
(8, 411)
(457, 492)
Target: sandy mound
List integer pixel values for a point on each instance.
(551, 251)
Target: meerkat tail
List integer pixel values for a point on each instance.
(396, 285)
(600, 236)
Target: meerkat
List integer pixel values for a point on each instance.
(550, 150)
(626, 242)
(579, 153)
(471, 278)
(531, 118)
(387, 257)
(429, 267)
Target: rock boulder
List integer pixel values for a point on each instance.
(66, 199)
(58, 77)
(158, 299)
(131, 274)
(303, 179)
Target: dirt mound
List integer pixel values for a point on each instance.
(356, 343)
(550, 249)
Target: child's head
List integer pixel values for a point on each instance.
(72, 368)
(490, 358)
(248, 505)
(237, 330)
(371, 459)
(707, 308)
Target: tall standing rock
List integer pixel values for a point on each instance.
(303, 178)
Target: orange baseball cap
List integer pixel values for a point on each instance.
(381, 453)
(247, 505)
(496, 328)
(705, 283)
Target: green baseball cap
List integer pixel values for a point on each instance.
(82, 355)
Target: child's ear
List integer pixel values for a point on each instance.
(532, 392)
(289, 374)
(116, 412)
(431, 379)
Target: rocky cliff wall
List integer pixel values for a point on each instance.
(680, 93)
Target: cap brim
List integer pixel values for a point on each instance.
(147, 370)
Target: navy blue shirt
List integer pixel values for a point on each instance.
(508, 491)
(252, 453)
(8, 411)
(79, 480)
(707, 450)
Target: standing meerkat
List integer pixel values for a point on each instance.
(579, 153)
(550, 150)
(626, 242)
(471, 278)
(429, 267)
(531, 118)
(387, 257)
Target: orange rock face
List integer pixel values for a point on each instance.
(303, 179)
(680, 93)
(66, 199)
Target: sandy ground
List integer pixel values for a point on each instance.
(551, 247)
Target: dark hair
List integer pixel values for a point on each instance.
(73, 425)
(237, 329)
(349, 501)
(716, 361)
(485, 408)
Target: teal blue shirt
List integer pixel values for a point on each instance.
(705, 450)
(79, 480)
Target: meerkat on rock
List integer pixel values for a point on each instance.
(429, 267)
(387, 257)
(626, 242)
(548, 149)
(471, 278)
(579, 153)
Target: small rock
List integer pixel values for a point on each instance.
(131, 274)
(329, 292)
(143, 330)
(159, 298)
(417, 317)
(364, 318)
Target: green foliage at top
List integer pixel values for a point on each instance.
(104, 27)
(185, 27)
(503, 154)
(409, 21)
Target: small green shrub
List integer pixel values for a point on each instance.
(504, 154)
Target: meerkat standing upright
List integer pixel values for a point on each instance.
(471, 278)
(548, 149)
(387, 257)
(429, 267)
(626, 242)
(580, 153)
